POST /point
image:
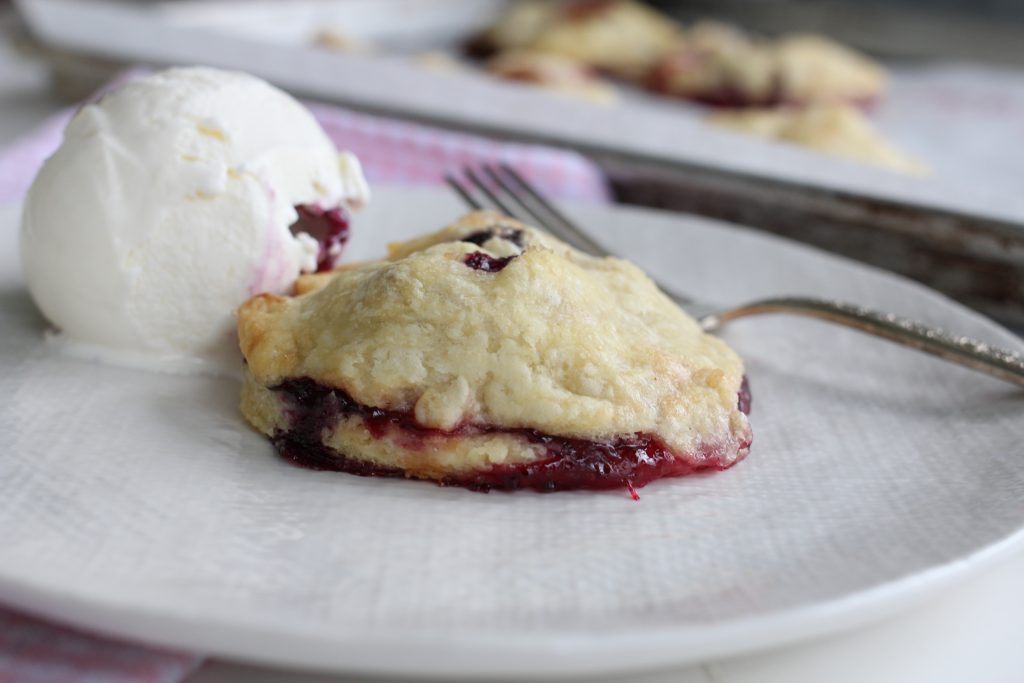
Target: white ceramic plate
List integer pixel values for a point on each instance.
(141, 505)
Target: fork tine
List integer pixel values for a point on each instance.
(513, 185)
(482, 186)
(530, 205)
(525, 213)
(533, 216)
(461, 191)
(471, 188)
(566, 228)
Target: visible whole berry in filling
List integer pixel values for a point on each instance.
(329, 227)
(631, 460)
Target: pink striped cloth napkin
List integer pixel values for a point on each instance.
(392, 152)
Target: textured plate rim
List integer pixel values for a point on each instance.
(577, 654)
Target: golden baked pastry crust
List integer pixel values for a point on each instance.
(620, 37)
(478, 342)
(836, 129)
(721, 65)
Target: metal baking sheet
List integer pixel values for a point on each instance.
(963, 120)
(256, 36)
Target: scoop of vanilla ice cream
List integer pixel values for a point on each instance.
(169, 203)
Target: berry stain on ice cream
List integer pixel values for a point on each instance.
(172, 200)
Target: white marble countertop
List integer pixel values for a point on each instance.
(973, 632)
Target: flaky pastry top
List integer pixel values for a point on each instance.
(553, 340)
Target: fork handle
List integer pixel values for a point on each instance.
(970, 353)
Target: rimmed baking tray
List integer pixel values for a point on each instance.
(960, 229)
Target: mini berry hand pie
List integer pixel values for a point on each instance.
(836, 129)
(722, 66)
(620, 37)
(490, 355)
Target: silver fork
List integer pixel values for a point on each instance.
(505, 190)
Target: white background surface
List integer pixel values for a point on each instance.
(973, 632)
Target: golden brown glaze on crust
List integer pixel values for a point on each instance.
(482, 336)
(837, 129)
(721, 65)
(620, 37)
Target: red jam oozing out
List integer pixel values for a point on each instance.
(631, 461)
(478, 260)
(329, 227)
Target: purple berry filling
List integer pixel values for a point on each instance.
(478, 260)
(329, 227)
(513, 235)
(631, 460)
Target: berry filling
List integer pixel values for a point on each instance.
(329, 227)
(745, 400)
(478, 260)
(513, 235)
(582, 10)
(631, 460)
